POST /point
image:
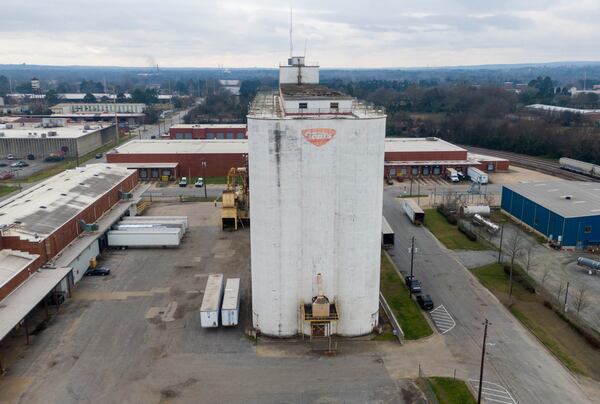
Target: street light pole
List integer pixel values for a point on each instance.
(482, 360)
(204, 178)
(412, 258)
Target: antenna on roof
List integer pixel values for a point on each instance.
(291, 29)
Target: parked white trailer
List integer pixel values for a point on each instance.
(158, 219)
(414, 212)
(476, 175)
(211, 302)
(230, 310)
(387, 234)
(125, 224)
(153, 237)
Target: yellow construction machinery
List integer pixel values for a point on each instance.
(236, 200)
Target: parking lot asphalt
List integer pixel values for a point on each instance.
(111, 344)
(517, 360)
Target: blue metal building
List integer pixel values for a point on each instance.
(564, 211)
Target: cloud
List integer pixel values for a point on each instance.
(245, 34)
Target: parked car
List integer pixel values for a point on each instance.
(98, 155)
(3, 164)
(10, 157)
(413, 284)
(19, 163)
(98, 271)
(199, 182)
(390, 181)
(6, 175)
(425, 301)
(53, 158)
(183, 182)
(30, 157)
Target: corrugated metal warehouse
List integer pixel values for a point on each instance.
(22, 140)
(565, 211)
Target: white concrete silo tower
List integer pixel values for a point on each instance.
(316, 174)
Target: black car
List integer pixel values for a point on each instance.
(99, 271)
(425, 302)
(98, 155)
(30, 157)
(413, 285)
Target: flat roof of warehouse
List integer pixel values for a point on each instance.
(209, 126)
(12, 262)
(419, 144)
(42, 209)
(36, 132)
(219, 146)
(584, 201)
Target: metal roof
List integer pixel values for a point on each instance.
(13, 262)
(62, 132)
(419, 144)
(584, 196)
(191, 146)
(40, 210)
(23, 299)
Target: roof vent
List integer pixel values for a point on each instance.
(567, 197)
(431, 139)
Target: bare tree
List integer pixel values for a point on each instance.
(545, 273)
(580, 299)
(513, 249)
(530, 258)
(559, 291)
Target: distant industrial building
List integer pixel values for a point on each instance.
(566, 212)
(555, 110)
(51, 231)
(180, 158)
(404, 157)
(98, 108)
(208, 131)
(48, 137)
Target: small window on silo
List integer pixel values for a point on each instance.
(303, 105)
(587, 229)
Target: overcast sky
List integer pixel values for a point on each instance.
(349, 33)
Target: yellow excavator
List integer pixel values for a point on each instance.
(235, 208)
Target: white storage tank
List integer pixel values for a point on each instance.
(316, 206)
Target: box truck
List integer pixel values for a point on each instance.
(452, 174)
(230, 310)
(414, 212)
(211, 302)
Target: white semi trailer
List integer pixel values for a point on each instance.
(476, 175)
(230, 310)
(414, 212)
(211, 302)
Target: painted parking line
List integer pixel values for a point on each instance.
(492, 392)
(442, 319)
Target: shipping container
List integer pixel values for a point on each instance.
(414, 212)
(154, 237)
(476, 175)
(211, 302)
(387, 234)
(231, 303)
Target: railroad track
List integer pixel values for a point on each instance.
(533, 163)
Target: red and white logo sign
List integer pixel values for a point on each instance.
(318, 136)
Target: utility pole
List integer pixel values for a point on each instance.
(501, 237)
(482, 360)
(116, 119)
(566, 296)
(412, 259)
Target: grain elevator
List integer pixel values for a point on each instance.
(315, 160)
